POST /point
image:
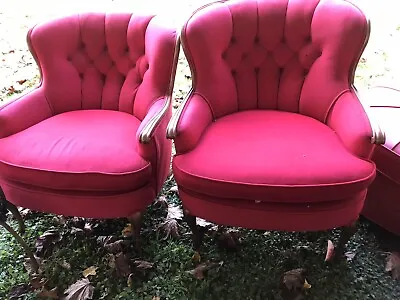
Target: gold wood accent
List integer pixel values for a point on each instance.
(378, 135)
(147, 132)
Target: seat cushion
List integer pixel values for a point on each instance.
(272, 156)
(86, 150)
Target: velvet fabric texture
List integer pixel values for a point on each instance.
(382, 205)
(72, 145)
(273, 135)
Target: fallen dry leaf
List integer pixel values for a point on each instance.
(112, 245)
(156, 298)
(349, 255)
(28, 265)
(161, 202)
(393, 265)
(18, 291)
(22, 81)
(80, 290)
(37, 282)
(170, 228)
(24, 212)
(129, 281)
(143, 265)
(122, 265)
(76, 222)
(293, 284)
(174, 212)
(46, 294)
(89, 271)
(128, 230)
(11, 90)
(229, 239)
(203, 223)
(106, 239)
(330, 251)
(88, 228)
(65, 265)
(196, 257)
(201, 270)
(45, 243)
(173, 189)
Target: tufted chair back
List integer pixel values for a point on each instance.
(103, 61)
(284, 55)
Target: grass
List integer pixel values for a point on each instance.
(252, 273)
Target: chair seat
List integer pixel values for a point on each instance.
(272, 156)
(86, 150)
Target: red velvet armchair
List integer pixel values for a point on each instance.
(272, 135)
(90, 140)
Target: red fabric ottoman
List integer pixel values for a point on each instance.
(382, 205)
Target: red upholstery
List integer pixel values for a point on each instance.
(383, 199)
(273, 135)
(72, 145)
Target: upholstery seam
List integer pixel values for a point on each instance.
(105, 40)
(388, 176)
(36, 58)
(207, 102)
(81, 41)
(258, 73)
(14, 184)
(257, 207)
(69, 172)
(277, 185)
(312, 19)
(330, 107)
(234, 79)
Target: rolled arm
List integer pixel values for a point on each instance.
(23, 112)
(189, 122)
(157, 112)
(352, 121)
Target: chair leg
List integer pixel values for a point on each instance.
(4, 206)
(345, 234)
(136, 221)
(14, 210)
(196, 234)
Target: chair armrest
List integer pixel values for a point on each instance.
(356, 128)
(23, 112)
(155, 114)
(157, 111)
(189, 122)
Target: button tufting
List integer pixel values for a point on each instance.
(69, 58)
(105, 48)
(81, 75)
(233, 40)
(127, 49)
(244, 55)
(256, 70)
(233, 72)
(256, 40)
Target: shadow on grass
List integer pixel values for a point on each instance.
(252, 273)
